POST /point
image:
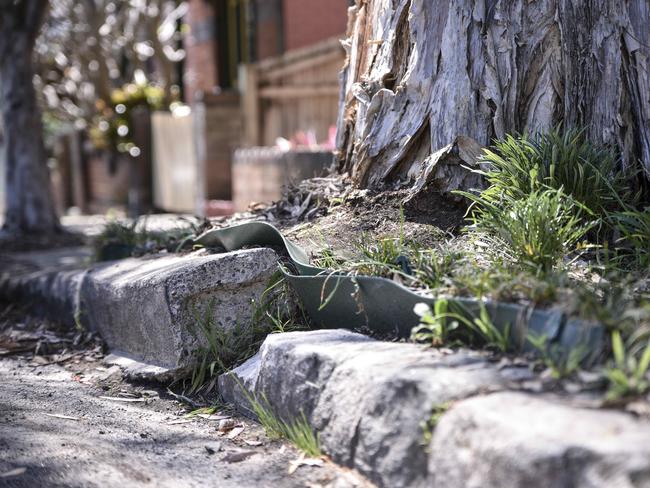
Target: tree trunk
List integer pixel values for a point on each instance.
(421, 73)
(29, 204)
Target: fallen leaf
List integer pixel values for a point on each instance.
(237, 456)
(181, 421)
(253, 443)
(119, 399)
(303, 461)
(235, 432)
(205, 416)
(59, 416)
(13, 472)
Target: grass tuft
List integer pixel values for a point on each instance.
(299, 432)
(225, 348)
(536, 231)
(559, 160)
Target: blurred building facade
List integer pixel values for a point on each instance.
(222, 34)
(256, 71)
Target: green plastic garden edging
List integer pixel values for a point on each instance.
(336, 300)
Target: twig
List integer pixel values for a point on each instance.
(184, 399)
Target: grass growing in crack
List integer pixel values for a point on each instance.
(123, 239)
(299, 432)
(429, 425)
(225, 348)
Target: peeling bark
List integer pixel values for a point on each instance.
(29, 204)
(419, 74)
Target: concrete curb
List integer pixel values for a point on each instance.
(144, 308)
(369, 400)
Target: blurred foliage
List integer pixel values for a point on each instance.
(113, 127)
(95, 54)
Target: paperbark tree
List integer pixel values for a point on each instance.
(29, 205)
(421, 73)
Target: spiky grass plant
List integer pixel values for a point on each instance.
(561, 160)
(628, 373)
(635, 232)
(225, 348)
(298, 431)
(536, 230)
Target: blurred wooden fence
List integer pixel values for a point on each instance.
(293, 92)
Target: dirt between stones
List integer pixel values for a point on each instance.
(329, 213)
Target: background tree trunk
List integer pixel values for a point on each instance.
(29, 204)
(421, 73)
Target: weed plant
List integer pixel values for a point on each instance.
(559, 160)
(536, 231)
(225, 348)
(452, 322)
(120, 239)
(429, 425)
(634, 226)
(298, 431)
(628, 372)
(562, 362)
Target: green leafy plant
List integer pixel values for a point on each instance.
(560, 160)
(562, 362)
(449, 317)
(434, 328)
(628, 375)
(536, 231)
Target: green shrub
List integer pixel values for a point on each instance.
(535, 230)
(634, 227)
(560, 160)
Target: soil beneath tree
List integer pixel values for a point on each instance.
(329, 213)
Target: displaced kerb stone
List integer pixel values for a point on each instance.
(523, 441)
(145, 309)
(368, 399)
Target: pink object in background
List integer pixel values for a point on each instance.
(218, 208)
(330, 143)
